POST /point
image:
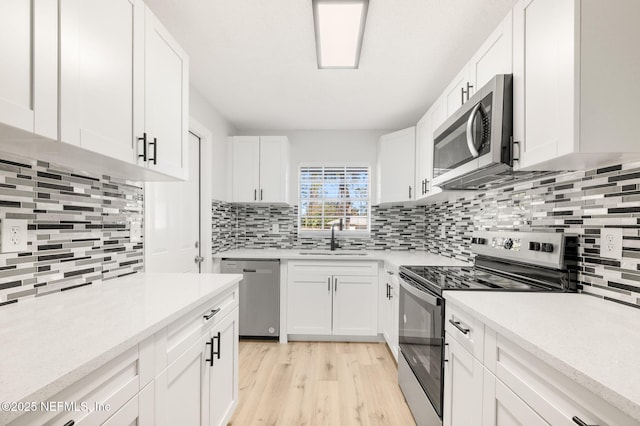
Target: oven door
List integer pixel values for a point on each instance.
(421, 338)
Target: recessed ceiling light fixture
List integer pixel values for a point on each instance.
(339, 26)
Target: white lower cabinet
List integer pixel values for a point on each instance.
(223, 370)
(505, 408)
(463, 385)
(332, 298)
(185, 374)
(489, 377)
(389, 306)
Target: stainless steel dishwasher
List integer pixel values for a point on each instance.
(259, 296)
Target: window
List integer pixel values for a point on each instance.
(328, 194)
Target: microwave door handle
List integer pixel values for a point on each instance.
(470, 142)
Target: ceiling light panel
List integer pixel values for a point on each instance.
(339, 26)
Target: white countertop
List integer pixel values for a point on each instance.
(48, 343)
(393, 257)
(592, 341)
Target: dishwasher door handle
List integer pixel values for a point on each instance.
(249, 270)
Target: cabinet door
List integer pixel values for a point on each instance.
(182, 389)
(223, 376)
(386, 320)
(495, 56)
(463, 376)
(424, 154)
(501, 407)
(397, 163)
(166, 113)
(274, 169)
(29, 71)
(355, 305)
(309, 304)
(395, 319)
(127, 415)
(99, 41)
(453, 94)
(245, 178)
(544, 79)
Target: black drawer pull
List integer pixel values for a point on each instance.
(579, 422)
(143, 155)
(219, 347)
(248, 270)
(155, 150)
(70, 423)
(456, 324)
(212, 314)
(210, 360)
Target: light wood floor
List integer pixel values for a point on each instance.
(318, 383)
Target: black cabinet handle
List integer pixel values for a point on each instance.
(217, 354)
(255, 195)
(579, 422)
(329, 284)
(461, 95)
(387, 291)
(335, 285)
(210, 360)
(72, 422)
(456, 324)
(469, 87)
(155, 151)
(409, 191)
(212, 314)
(143, 155)
(260, 194)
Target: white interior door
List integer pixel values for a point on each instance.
(172, 220)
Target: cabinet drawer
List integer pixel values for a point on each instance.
(113, 384)
(555, 397)
(181, 334)
(345, 267)
(467, 330)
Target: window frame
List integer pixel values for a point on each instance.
(327, 232)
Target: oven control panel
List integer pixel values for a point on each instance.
(543, 248)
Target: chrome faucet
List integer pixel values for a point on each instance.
(334, 244)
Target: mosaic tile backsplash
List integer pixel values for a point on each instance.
(78, 228)
(581, 203)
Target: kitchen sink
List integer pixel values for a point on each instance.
(332, 253)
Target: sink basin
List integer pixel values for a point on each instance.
(332, 253)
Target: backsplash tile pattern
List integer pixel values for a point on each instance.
(395, 228)
(78, 228)
(582, 203)
(223, 226)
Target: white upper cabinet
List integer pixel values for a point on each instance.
(274, 169)
(575, 83)
(424, 154)
(396, 166)
(260, 169)
(495, 56)
(166, 91)
(99, 45)
(29, 71)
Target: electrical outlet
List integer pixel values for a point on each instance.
(135, 231)
(611, 243)
(275, 228)
(13, 235)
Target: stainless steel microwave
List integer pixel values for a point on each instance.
(474, 146)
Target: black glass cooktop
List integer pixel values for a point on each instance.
(439, 278)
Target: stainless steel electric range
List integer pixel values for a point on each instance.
(504, 261)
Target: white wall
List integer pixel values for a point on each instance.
(328, 146)
(220, 129)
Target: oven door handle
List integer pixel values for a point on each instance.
(424, 296)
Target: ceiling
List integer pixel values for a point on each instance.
(255, 60)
